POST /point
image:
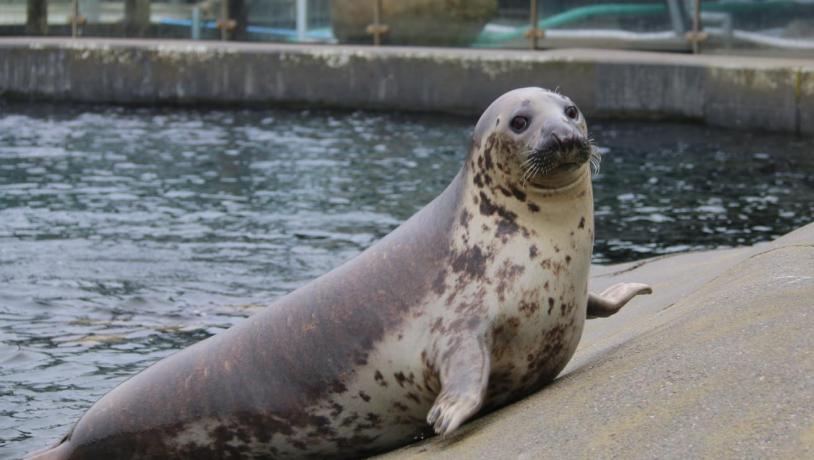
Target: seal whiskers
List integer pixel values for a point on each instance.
(595, 158)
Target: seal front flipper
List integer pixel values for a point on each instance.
(464, 373)
(614, 298)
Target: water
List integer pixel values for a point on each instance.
(128, 234)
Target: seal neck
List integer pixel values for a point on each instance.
(495, 192)
(565, 184)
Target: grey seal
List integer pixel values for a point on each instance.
(477, 300)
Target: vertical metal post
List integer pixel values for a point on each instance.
(224, 22)
(302, 19)
(676, 17)
(696, 36)
(232, 22)
(535, 20)
(377, 21)
(535, 33)
(377, 29)
(696, 25)
(75, 19)
(196, 22)
(36, 22)
(136, 17)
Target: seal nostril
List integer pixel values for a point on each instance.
(557, 138)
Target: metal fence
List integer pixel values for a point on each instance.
(771, 27)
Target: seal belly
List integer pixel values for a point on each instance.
(388, 397)
(539, 287)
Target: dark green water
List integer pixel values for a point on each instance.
(128, 234)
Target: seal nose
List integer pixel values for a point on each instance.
(557, 131)
(557, 137)
(561, 143)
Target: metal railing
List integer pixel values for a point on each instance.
(756, 26)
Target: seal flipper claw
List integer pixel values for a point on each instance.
(464, 379)
(612, 299)
(451, 410)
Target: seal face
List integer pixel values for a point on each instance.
(477, 300)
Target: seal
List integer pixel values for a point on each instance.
(477, 300)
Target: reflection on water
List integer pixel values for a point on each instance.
(667, 188)
(128, 234)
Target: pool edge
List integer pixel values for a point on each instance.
(767, 94)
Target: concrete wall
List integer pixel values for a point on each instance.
(747, 93)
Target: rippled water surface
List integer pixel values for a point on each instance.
(127, 234)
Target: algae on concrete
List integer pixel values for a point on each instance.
(747, 93)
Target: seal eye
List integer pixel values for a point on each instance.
(519, 124)
(571, 112)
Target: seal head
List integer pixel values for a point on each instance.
(544, 134)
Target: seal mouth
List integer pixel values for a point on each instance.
(556, 154)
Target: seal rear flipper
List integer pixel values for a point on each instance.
(464, 373)
(612, 299)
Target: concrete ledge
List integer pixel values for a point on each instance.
(748, 93)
